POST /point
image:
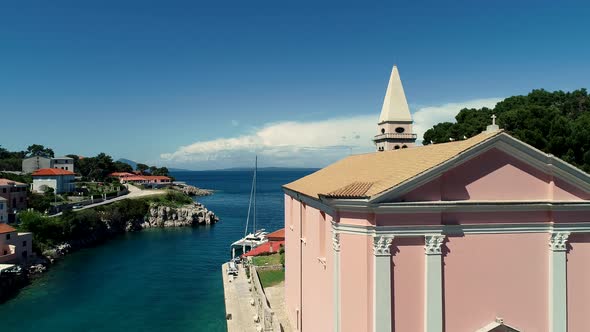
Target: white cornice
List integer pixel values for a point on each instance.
(412, 231)
(458, 206)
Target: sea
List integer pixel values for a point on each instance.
(153, 280)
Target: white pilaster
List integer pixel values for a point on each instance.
(382, 283)
(558, 282)
(336, 297)
(433, 302)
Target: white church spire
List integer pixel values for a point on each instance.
(395, 105)
(395, 122)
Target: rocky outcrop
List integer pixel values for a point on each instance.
(57, 251)
(193, 191)
(187, 215)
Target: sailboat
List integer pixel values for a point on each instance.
(256, 237)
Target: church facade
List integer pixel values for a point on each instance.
(486, 234)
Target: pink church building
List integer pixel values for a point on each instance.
(486, 234)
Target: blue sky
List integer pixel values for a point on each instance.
(142, 79)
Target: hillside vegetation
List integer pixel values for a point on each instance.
(553, 122)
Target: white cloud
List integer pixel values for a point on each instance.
(304, 144)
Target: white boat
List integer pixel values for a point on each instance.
(256, 237)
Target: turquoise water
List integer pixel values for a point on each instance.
(154, 280)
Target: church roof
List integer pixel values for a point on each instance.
(366, 175)
(395, 105)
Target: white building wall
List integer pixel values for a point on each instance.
(23, 247)
(32, 164)
(3, 211)
(60, 184)
(40, 185)
(63, 163)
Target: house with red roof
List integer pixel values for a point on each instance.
(147, 180)
(15, 247)
(15, 194)
(62, 181)
(276, 240)
(121, 175)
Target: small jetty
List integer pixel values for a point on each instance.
(240, 314)
(247, 307)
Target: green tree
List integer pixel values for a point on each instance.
(39, 150)
(122, 167)
(141, 167)
(76, 162)
(163, 171)
(11, 161)
(96, 168)
(554, 122)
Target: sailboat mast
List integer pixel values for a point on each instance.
(255, 173)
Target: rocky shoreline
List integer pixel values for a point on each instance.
(158, 216)
(186, 215)
(192, 190)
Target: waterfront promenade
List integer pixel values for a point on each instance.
(237, 301)
(252, 308)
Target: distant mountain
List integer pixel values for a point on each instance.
(274, 169)
(134, 165)
(172, 169)
(131, 163)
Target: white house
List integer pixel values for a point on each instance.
(60, 180)
(65, 163)
(15, 247)
(35, 163)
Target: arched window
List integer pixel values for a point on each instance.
(396, 147)
(382, 130)
(404, 146)
(399, 130)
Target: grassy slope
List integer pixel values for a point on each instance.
(271, 278)
(274, 259)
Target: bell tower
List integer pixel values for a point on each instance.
(395, 122)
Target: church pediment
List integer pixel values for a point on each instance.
(495, 176)
(501, 169)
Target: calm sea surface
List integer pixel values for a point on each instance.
(154, 280)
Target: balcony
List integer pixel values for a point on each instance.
(403, 136)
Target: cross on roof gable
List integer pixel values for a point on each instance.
(498, 326)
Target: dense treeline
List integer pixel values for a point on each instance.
(554, 122)
(95, 224)
(12, 161)
(90, 168)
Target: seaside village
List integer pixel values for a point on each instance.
(56, 178)
(484, 234)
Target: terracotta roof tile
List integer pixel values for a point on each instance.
(353, 190)
(366, 175)
(6, 182)
(4, 228)
(51, 172)
(280, 234)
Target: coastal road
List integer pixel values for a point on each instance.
(134, 192)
